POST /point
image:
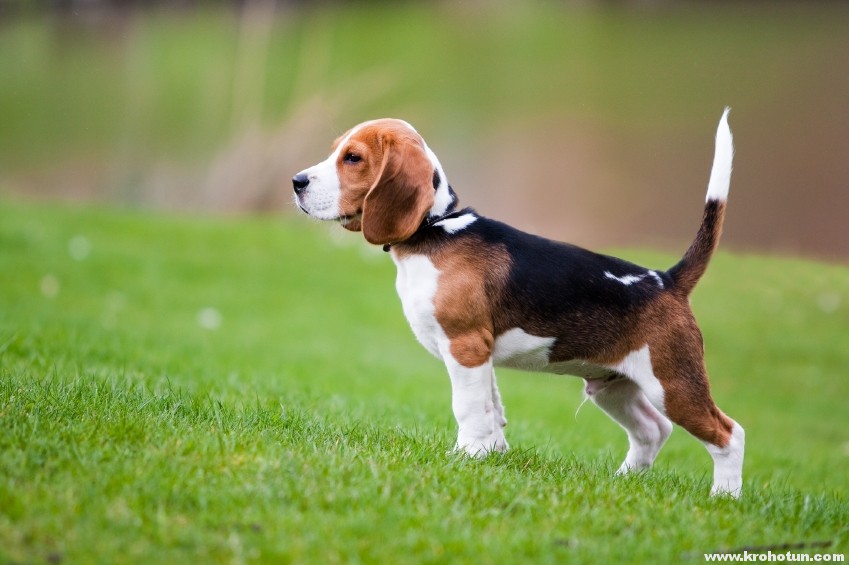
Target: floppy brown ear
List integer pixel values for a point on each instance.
(402, 194)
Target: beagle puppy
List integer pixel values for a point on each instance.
(480, 294)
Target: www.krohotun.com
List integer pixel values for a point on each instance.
(771, 556)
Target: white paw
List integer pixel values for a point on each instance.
(732, 488)
(494, 443)
(629, 467)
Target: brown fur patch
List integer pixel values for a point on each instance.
(389, 188)
(677, 354)
(472, 349)
(472, 276)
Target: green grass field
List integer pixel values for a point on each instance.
(234, 390)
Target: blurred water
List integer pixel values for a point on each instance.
(593, 125)
(599, 186)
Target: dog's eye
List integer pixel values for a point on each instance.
(352, 158)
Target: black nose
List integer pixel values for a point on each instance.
(300, 182)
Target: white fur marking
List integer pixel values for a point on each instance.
(442, 198)
(656, 278)
(519, 349)
(416, 284)
(627, 280)
(637, 367)
(728, 464)
(720, 174)
(453, 225)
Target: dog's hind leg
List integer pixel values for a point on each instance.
(626, 404)
(687, 402)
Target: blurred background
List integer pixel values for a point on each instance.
(588, 121)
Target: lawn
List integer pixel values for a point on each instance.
(234, 390)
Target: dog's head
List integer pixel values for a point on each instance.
(380, 178)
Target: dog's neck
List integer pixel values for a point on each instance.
(435, 216)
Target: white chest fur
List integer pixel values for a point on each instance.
(416, 284)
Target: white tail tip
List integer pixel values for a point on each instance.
(720, 174)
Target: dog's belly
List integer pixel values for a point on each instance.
(518, 349)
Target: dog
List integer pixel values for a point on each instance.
(480, 294)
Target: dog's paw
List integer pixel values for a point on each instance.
(731, 489)
(632, 467)
(494, 443)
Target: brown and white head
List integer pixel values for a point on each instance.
(381, 178)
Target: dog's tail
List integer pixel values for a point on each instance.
(692, 266)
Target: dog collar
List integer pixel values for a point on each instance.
(427, 223)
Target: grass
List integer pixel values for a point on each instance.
(232, 390)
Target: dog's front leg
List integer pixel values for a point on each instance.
(477, 408)
(500, 418)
